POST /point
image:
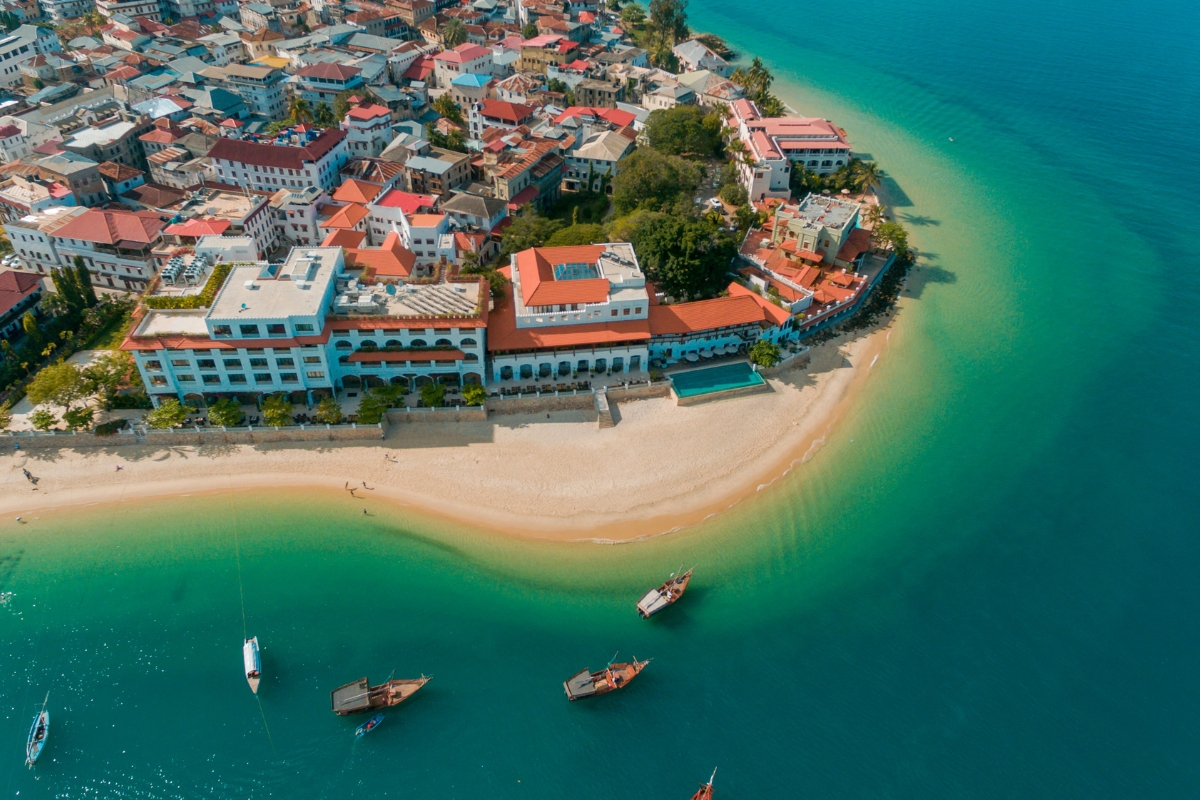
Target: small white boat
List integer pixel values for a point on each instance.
(38, 734)
(252, 660)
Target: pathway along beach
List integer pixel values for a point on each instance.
(660, 468)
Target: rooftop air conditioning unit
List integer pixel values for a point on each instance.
(250, 285)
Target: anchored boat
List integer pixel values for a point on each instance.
(359, 697)
(706, 791)
(615, 676)
(38, 734)
(656, 600)
(252, 660)
(369, 725)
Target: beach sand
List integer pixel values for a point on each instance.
(661, 468)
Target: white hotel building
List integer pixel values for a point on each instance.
(776, 143)
(295, 159)
(307, 328)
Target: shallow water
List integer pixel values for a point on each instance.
(982, 586)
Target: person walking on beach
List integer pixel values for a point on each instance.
(352, 494)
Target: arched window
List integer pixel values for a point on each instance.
(368, 344)
(418, 343)
(443, 343)
(826, 163)
(469, 342)
(344, 345)
(812, 163)
(392, 343)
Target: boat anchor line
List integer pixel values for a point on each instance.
(237, 554)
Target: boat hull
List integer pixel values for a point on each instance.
(659, 599)
(252, 663)
(584, 684)
(369, 725)
(358, 697)
(38, 734)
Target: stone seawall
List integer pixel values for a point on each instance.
(463, 414)
(197, 436)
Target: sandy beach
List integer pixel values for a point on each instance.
(661, 468)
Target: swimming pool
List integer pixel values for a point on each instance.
(707, 380)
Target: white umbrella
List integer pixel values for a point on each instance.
(692, 357)
(706, 353)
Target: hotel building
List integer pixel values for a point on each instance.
(776, 143)
(297, 158)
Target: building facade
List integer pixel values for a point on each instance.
(298, 158)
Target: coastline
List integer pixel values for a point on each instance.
(661, 469)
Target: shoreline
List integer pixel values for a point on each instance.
(519, 475)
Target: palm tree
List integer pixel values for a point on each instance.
(771, 106)
(875, 214)
(299, 110)
(323, 116)
(867, 175)
(454, 32)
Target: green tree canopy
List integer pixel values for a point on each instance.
(685, 131)
(329, 411)
(226, 413)
(42, 420)
(653, 181)
(472, 394)
(79, 418)
(5, 416)
(528, 229)
(300, 110)
(686, 258)
(454, 33)
(433, 395)
(62, 384)
(449, 109)
(764, 353)
(323, 116)
(582, 233)
(669, 18)
(277, 411)
(372, 408)
(83, 281)
(734, 194)
(112, 371)
(168, 414)
(341, 103)
(893, 234)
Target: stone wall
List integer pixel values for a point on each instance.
(539, 403)
(449, 414)
(696, 400)
(172, 437)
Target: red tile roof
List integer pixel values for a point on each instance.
(356, 191)
(704, 315)
(420, 69)
(857, 243)
(514, 113)
(462, 54)
(613, 115)
(195, 228)
(15, 287)
(113, 227)
(407, 202)
(9, 130)
(163, 135)
(278, 156)
(772, 312)
(344, 238)
(368, 111)
(391, 260)
(538, 286)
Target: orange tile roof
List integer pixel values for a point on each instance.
(504, 335)
(426, 220)
(704, 315)
(368, 111)
(199, 227)
(771, 311)
(356, 191)
(344, 238)
(348, 217)
(538, 286)
(392, 260)
(113, 227)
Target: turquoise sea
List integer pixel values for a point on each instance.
(983, 587)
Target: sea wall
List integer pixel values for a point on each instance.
(741, 391)
(171, 437)
(445, 414)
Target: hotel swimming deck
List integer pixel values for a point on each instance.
(710, 382)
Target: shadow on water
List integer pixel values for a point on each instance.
(919, 220)
(893, 195)
(920, 277)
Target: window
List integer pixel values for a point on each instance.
(222, 330)
(206, 363)
(303, 327)
(315, 375)
(262, 377)
(210, 379)
(232, 363)
(276, 329)
(155, 366)
(343, 346)
(614, 312)
(186, 378)
(312, 359)
(288, 377)
(258, 363)
(627, 312)
(285, 362)
(158, 380)
(237, 378)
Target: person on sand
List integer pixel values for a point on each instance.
(352, 494)
(368, 488)
(118, 469)
(364, 512)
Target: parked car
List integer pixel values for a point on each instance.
(716, 203)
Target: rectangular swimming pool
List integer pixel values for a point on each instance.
(707, 380)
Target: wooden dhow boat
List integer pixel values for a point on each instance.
(656, 600)
(252, 661)
(706, 791)
(38, 733)
(359, 697)
(615, 676)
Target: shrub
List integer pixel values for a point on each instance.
(765, 354)
(734, 194)
(203, 299)
(111, 427)
(132, 400)
(42, 420)
(474, 394)
(79, 418)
